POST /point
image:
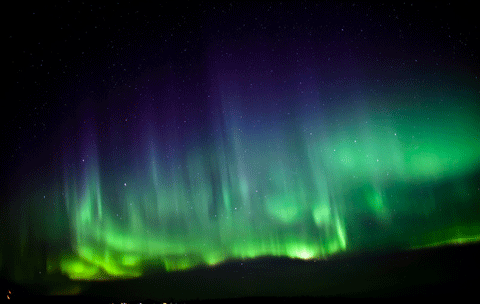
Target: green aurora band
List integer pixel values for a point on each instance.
(310, 188)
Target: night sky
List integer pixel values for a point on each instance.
(172, 137)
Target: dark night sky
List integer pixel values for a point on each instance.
(59, 55)
(238, 93)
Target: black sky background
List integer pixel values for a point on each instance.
(63, 53)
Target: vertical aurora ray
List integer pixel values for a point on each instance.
(248, 197)
(308, 188)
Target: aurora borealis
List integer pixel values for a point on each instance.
(296, 188)
(255, 145)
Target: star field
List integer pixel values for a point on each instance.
(173, 136)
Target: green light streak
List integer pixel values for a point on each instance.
(403, 183)
(228, 212)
